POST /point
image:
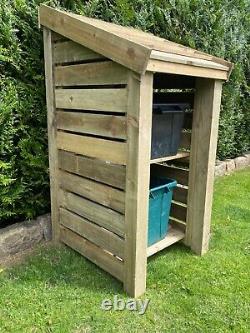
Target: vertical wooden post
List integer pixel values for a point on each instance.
(53, 154)
(202, 163)
(139, 122)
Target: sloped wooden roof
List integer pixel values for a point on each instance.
(132, 48)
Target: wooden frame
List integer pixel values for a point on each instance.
(101, 81)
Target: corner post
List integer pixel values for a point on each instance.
(139, 123)
(202, 163)
(51, 123)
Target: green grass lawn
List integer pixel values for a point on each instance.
(59, 291)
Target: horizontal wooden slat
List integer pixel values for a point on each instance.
(178, 224)
(69, 52)
(57, 38)
(180, 194)
(174, 97)
(90, 189)
(179, 154)
(97, 73)
(185, 140)
(103, 216)
(111, 174)
(106, 150)
(101, 258)
(110, 100)
(94, 233)
(172, 81)
(179, 212)
(96, 124)
(179, 174)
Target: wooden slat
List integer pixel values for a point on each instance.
(69, 52)
(105, 217)
(173, 68)
(137, 181)
(178, 211)
(94, 253)
(179, 174)
(56, 38)
(180, 194)
(92, 232)
(101, 171)
(90, 189)
(174, 97)
(185, 140)
(180, 154)
(202, 163)
(180, 225)
(174, 235)
(112, 100)
(97, 73)
(111, 45)
(172, 81)
(105, 150)
(96, 124)
(53, 161)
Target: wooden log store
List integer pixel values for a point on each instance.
(101, 82)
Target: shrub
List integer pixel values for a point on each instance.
(214, 26)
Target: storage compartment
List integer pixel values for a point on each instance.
(160, 197)
(167, 125)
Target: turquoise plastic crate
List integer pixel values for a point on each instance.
(160, 197)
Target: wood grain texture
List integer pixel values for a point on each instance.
(98, 256)
(110, 100)
(92, 190)
(137, 181)
(53, 160)
(69, 52)
(95, 124)
(96, 73)
(101, 171)
(103, 216)
(106, 150)
(202, 163)
(99, 236)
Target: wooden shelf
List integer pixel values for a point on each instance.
(174, 235)
(180, 154)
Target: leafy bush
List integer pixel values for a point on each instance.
(214, 26)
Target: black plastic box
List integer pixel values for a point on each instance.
(167, 125)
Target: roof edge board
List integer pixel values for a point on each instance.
(123, 51)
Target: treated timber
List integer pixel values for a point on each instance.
(202, 163)
(137, 181)
(52, 132)
(101, 258)
(101, 171)
(180, 154)
(109, 99)
(97, 73)
(180, 174)
(180, 194)
(110, 45)
(92, 190)
(103, 216)
(69, 52)
(91, 123)
(178, 211)
(93, 232)
(190, 70)
(106, 150)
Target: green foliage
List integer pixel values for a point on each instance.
(219, 27)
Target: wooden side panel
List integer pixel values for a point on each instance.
(92, 190)
(69, 52)
(97, 73)
(52, 133)
(137, 181)
(92, 232)
(202, 162)
(113, 151)
(101, 171)
(101, 258)
(103, 216)
(111, 100)
(91, 123)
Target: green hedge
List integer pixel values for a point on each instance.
(219, 27)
